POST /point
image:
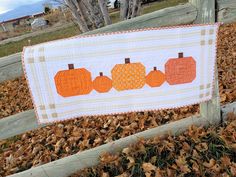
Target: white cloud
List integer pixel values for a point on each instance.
(3, 10)
(6, 5)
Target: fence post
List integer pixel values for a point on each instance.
(206, 14)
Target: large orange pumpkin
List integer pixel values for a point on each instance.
(155, 78)
(128, 76)
(102, 83)
(73, 82)
(180, 70)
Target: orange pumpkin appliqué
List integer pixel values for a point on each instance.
(102, 83)
(73, 82)
(155, 78)
(180, 70)
(128, 76)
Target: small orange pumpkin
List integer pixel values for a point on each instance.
(180, 70)
(73, 82)
(102, 83)
(155, 78)
(128, 76)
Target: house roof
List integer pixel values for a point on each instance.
(23, 17)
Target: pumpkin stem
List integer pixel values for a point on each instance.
(181, 55)
(101, 74)
(71, 66)
(155, 68)
(127, 60)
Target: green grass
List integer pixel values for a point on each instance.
(161, 4)
(14, 47)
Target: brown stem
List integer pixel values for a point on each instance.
(181, 55)
(71, 66)
(155, 68)
(127, 60)
(101, 74)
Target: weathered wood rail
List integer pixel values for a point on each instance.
(196, 11)
(26, 121)
(226, 11)
(10, 67)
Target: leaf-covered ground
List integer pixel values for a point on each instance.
(198, 151)
(226, 61)
(62, 139)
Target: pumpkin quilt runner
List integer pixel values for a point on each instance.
(139, 70)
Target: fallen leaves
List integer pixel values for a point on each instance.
(226, 60)
(14, 97)
(209, 156)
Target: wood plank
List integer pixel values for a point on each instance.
(226, 11)
(10, 67)
(206, 11)
(210, 109)
(17, 124)
(228, 108)
(179, 15)
(26, 121)
(68, 165)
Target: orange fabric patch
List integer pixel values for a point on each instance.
(73, 82)
(102, 84)
(155, 78)
(128, 76)
(180, 70)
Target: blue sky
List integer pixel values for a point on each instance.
(6, 5)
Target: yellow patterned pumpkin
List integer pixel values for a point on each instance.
(128, 76)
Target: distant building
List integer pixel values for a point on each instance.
(11, 24)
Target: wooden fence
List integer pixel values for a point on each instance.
(196, 11)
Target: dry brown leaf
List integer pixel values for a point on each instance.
(131, 162)
(225, 161)
(233, 169)
(201, 147)
(158, 173)
(186, 146)
(148, 174)
(170, 172)
(182, 164)
(105, 175)
(195, 167)
(108, 158)
(123, 175)
(148, 167)
(216, 168)
(126, 150)
(209, 164)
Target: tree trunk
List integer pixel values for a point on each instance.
(85, 13)
(75, 12)
(105, 14)
(136, 9)
(124, 5)
(94, 12)
(130, 9)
